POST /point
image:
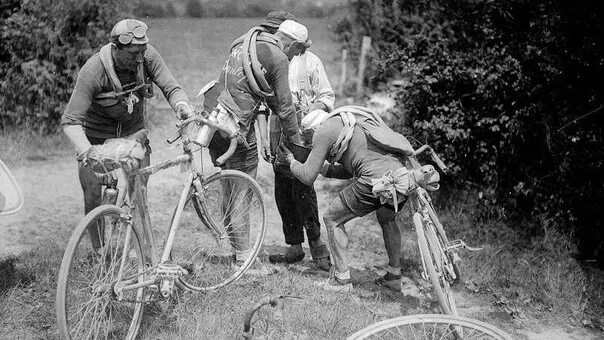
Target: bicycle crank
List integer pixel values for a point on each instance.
(167, 273)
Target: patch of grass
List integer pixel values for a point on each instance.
(317, 315)
(528, 276)
(27, 309)
(11, 274)
(20, 144)
(195, 49)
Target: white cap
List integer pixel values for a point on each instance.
(313, 119)
(294, 30)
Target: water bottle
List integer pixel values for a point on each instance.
(206, 132)
(110, 196)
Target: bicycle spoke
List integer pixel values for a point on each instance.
(86, 306)
(219, 229)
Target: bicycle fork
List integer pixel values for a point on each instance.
(440, 252)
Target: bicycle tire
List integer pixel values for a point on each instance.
(430, 326)
(219, 250)
(82, 271)
(440, 285)
(445, 240)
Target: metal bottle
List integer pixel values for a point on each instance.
(110, 196)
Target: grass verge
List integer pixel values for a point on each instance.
(529, 276)
(21, 144)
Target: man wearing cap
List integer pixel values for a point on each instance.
(341, 138)
(296, 201)
(239, 95)
(109, 96)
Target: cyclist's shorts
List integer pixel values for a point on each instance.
(358, 196)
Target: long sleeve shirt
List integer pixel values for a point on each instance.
(276, 65)
(308, 82)
(110, 121)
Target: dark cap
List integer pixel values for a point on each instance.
(275, 18)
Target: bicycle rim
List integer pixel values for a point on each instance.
(221, 231)
(433, 261)
(428, 326)
(86, 305)
(445, 241)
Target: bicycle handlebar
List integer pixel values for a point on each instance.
(433, 155)
(274, 301)
(204, 121)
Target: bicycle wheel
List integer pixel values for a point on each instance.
(427, 326)
(432, 257)
(221, 230)
(451, 265)
(86, 306)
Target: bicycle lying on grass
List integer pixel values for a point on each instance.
(417, 327)
(215, 233)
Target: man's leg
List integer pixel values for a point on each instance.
(335, 217)
(392, 242)
(92, 199)
(392, 236)
(307, 217)
(244, 160)
(286, 205)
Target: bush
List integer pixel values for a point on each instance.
(147, 10)
(194, 9)
(489, 84)
(44, 43)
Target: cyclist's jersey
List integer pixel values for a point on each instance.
(110, 120)
(241, 100)
(362, 159)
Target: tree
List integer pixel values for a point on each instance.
(194, 9)
(489, 84)
(44, 43)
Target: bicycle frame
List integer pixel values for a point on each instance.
(195, 177)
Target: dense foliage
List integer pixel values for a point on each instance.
(43, 45)
(491, 85)
(234, 8)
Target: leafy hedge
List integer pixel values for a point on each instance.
(43, 45)
(490, 84)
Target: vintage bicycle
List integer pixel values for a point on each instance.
(439, 258)
(439, 255)
(215, 234)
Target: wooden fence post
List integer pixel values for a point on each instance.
(365, 46)
(343, 75)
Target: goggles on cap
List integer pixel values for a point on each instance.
(138, 32)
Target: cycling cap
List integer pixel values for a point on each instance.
(130, 31)
(275, 18)
(295, 31)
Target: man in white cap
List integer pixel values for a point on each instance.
(296, 201)
(108, 100)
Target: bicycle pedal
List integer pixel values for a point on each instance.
(455, 245)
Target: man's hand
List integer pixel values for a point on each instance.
(407, 148)
(295, 139)
(91, 151)
(317, 106)
(266, 152)
(183, 110)
(286, 155)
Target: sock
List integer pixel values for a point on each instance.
(396, 271)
